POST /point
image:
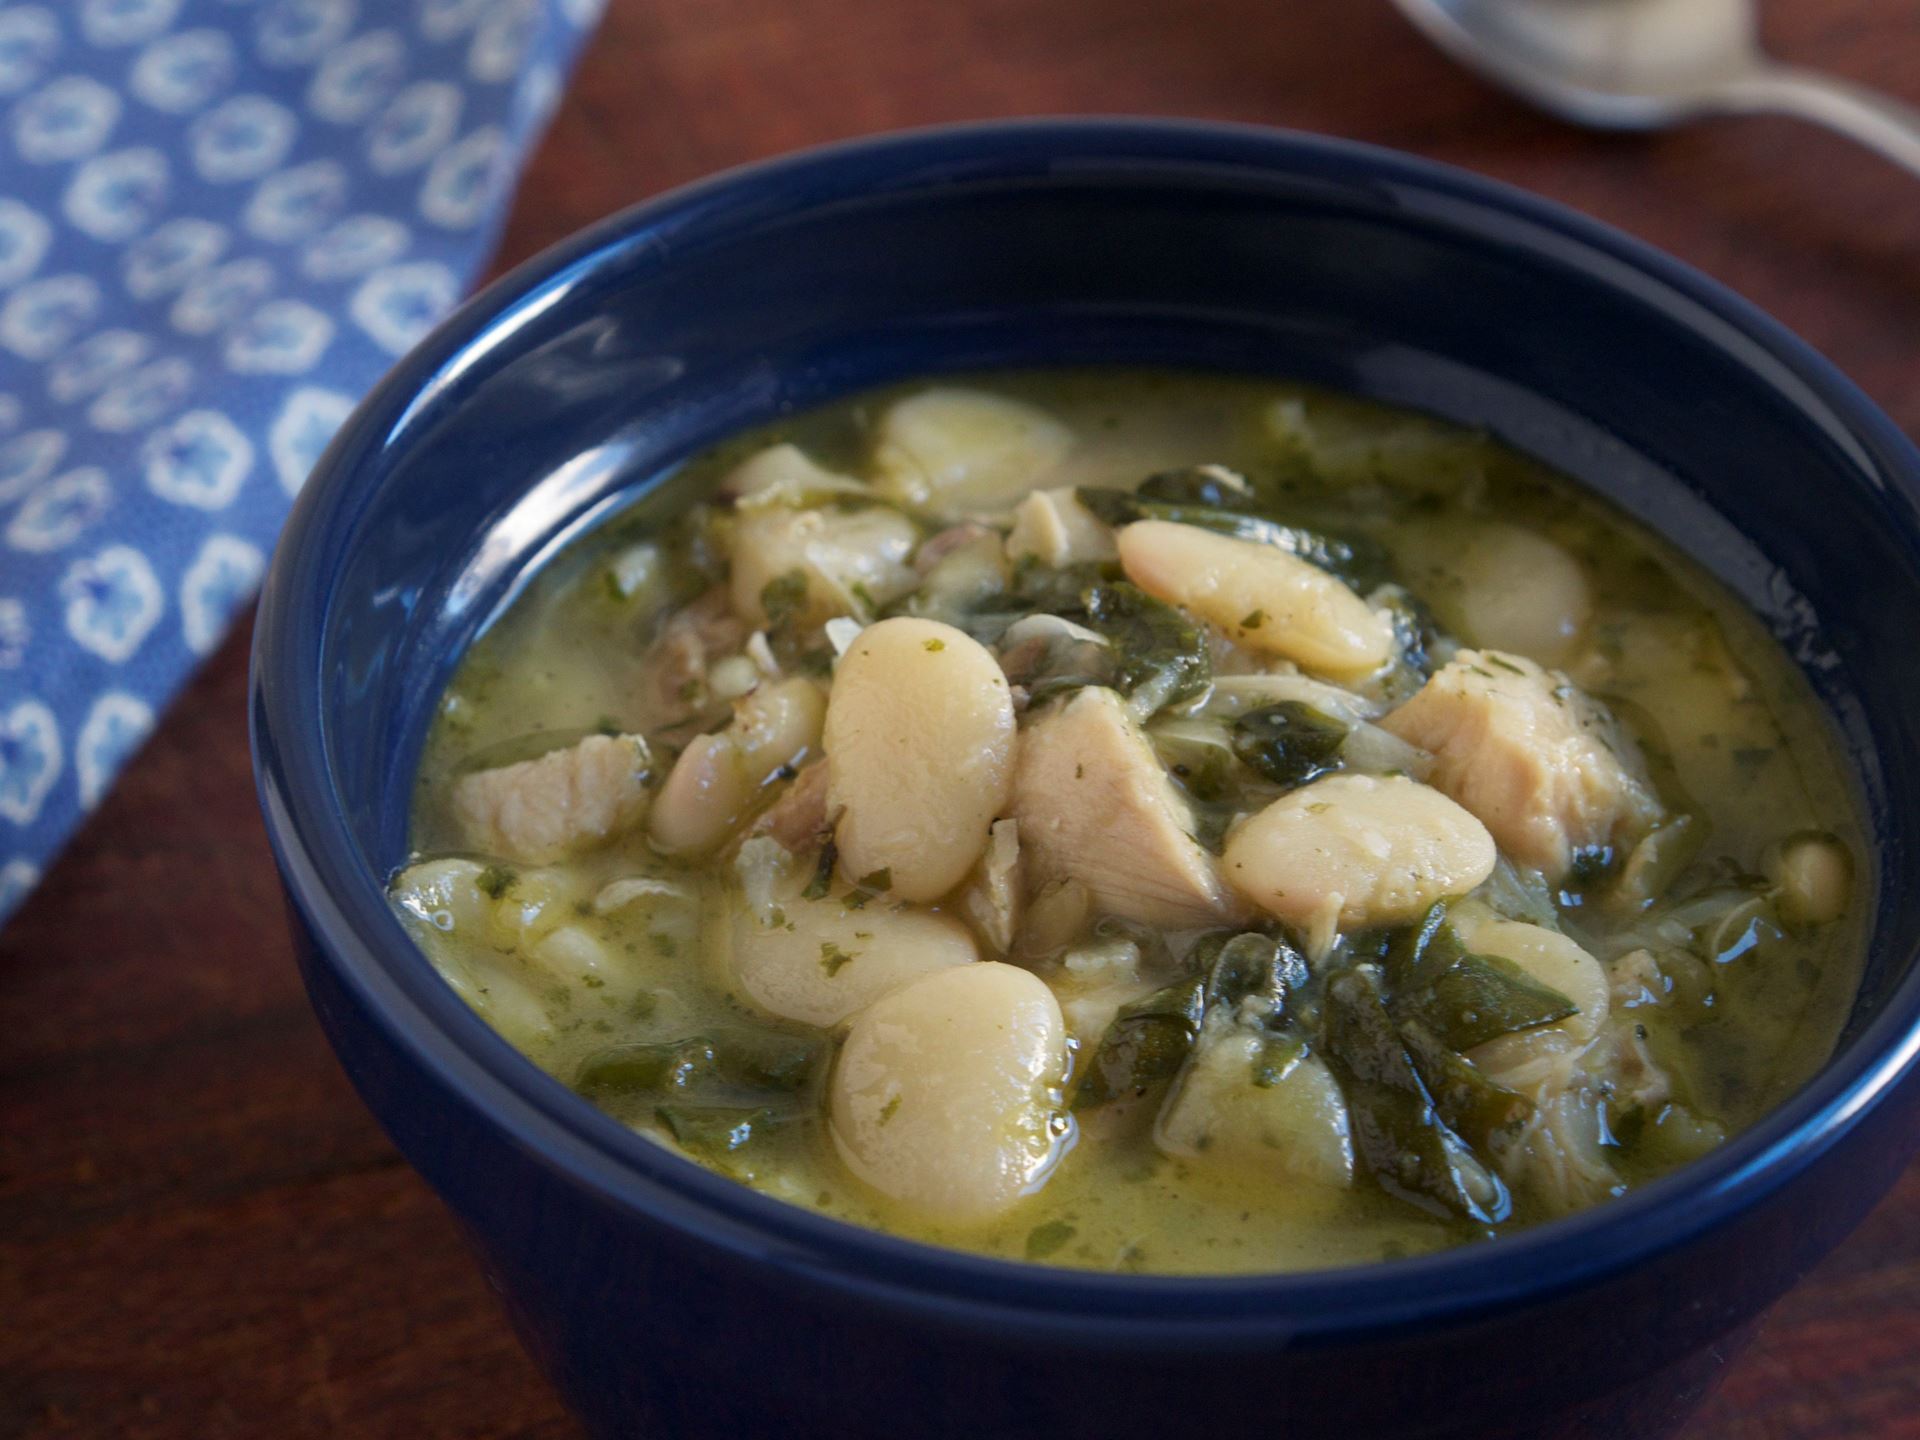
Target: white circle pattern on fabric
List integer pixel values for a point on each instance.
(30, 759)
(282, 337)
(125, 22)
(161, 262)
(200, 459)
(219, 581)
(184, 72)
(356, 245)
(115, 197)
(95, 362)
(221, 221)
(218, 298)
(358, 78)
(151, 393)
(291, 204)
(29, 39)
(241, 139)
(464, 179)
(441, 20)
(15, 632)
(26, 460)
(113, 601)
(299, 32)
(41, 318)
(421, 119)
(398, 305)
(301, 431)
(113, 730)
(65, 119)
(24, 237)
(56, 514)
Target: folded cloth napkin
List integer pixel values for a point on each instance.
(220, 222)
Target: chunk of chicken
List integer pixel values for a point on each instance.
(799, 819)
(674, 686)
(1056, 529)
(1542, 764)
(566, 800)
(1095, 805)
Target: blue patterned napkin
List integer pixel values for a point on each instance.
(220, 221)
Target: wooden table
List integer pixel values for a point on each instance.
(201, 1232)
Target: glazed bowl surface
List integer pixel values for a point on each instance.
(664, 1300)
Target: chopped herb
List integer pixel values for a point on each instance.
(1044, 1240)
(822, 880)
(1502, 664)
(935, 644)
(495, 880)
(665, 946)
(1254, 620)
(607, 725)
(832, 957)
(860, 592)
(869, 887)
(890, 1109)
(784, 598)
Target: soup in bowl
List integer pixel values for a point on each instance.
(1143, 821)
(1478, 980)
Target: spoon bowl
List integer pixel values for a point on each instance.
(1648, 64)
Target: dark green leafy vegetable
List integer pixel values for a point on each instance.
(1250, 967)
(736, 1067)
(714, 1131)
(1398, 1133)
(1290, 742)
(1145, 1045)
(1213, 485)
(1162, 654)
(1471, 1103)
(1464, 998)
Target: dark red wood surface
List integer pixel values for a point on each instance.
(201, 1232)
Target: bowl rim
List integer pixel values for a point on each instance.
(334, 887)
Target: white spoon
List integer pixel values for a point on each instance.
(1647, 64)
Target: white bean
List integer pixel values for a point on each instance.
(919, 740)
(1813, 879)
(716, 778)
(1259, 595)
(819, 962)
(1357, 851)
(1520, 591)
(956, 448)
(1552, 959)
(945, 1094)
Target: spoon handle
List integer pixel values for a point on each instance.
(1877, 121)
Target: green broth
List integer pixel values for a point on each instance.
(1732, 735)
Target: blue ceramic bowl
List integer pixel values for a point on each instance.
(666, 1301)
